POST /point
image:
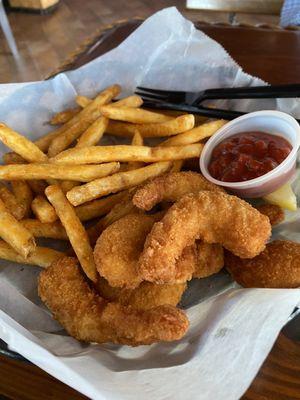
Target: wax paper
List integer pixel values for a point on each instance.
(232, 329)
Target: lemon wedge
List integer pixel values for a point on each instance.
(283, 197)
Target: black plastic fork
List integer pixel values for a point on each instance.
(192, 101)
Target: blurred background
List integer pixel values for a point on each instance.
(37, 36)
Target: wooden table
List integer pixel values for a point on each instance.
(271, 54)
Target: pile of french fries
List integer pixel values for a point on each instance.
(51, 187)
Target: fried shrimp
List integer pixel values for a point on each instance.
(119, 210)
(209, 259)
(278, 266)
(147, 295)
(213, 217)
(171, 187)
(88, 317)
(118, 249)
(185, 265)
(273, 212)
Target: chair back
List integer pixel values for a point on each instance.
(241, 6)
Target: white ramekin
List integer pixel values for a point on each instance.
(273, 122)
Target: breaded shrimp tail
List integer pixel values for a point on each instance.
(147, 295)
(278, 266)
(209, 259)
(88, 317)
(273, 212)
(171, 187)
(118, 249)
(213, 217)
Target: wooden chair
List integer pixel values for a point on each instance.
(233, 6)
(7, 31)
(272, 7)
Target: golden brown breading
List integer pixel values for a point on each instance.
(88, 317)
(273, 212)
(213, 217)
(118, 249)
(147, 295)
(210, 259)
(278, 266)
(185, 265)
(119, 210)
(171, 187)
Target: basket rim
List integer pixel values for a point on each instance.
(66, 64)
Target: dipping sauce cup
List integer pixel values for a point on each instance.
(272, 122)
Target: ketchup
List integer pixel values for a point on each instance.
(247, 155)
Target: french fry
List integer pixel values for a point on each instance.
(37, 186)
(130, 101)
(123, 167)
(118, 211)
(81, 121)
(51, 181)
(24, 196)
(94, 232)
(14, 233)
(94, 133)
(90, 137)
(98, 208)
(44, 141)
(199, 119)
(137, 140)
(196, 134)
(115, 183)
(53, 230)
(13, 158)
(20, 188)
(83, 101)
(63, 116)
(11, 203)
(75, 230)
(133, 101)
(192, 136)
(68, 185)
(82, 173)
(42, 256)
(69, 135)
(22, 146)
(177, 165)
(168, 128)
(134, 115)
(99, 154)
(43, 210)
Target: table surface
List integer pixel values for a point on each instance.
(271, 54)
